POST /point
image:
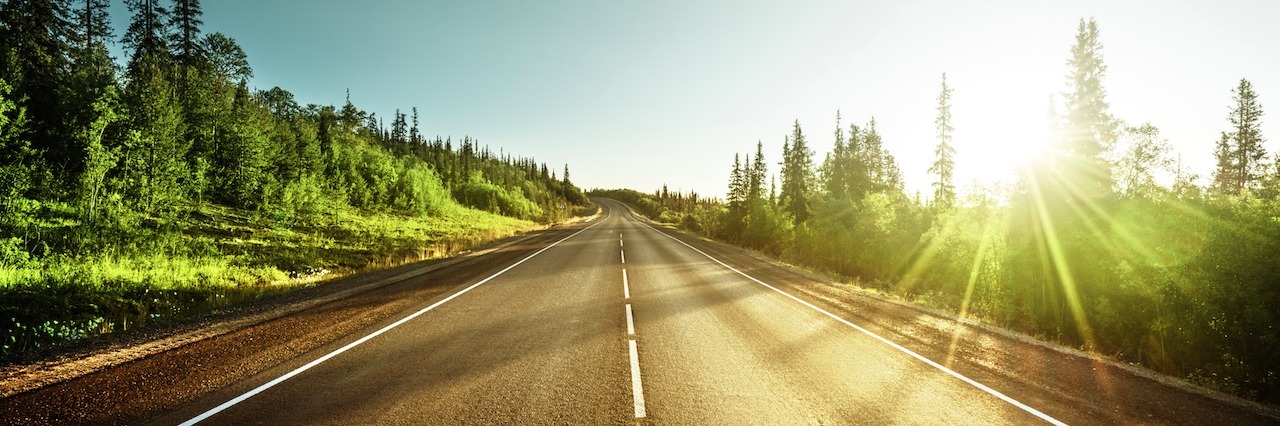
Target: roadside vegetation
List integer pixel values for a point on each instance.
(165, 187)
(1105, 243)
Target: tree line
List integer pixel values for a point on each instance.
(1105, 242)
(175, 126)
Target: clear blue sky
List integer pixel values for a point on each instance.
(640, 93)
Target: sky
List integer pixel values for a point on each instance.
(638, 94)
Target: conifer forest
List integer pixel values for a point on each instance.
(160, 186)
(1104, 243)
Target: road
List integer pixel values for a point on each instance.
(615, 321)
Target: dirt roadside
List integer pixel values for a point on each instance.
(102, 380)
(1098, 390)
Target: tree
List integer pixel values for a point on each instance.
(92, 79)
(16, 154)
(797, 175)
(146, 35)
(228, 59)
(415, 136)
(99, 158)
(756, 175)
(737, 184)
(36, 34)
(1144, 155)
(399, 128)
(154, 152)
(944, 164)
(1089, 131)
(185, 20)
(1224, 175)
(93, 25)
(1246, 136)
(835, 169)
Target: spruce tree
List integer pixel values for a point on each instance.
(91, 92)
(185, 20)
(835, 169)
(146, 36)
(1246, 136)
(797, 175)
(399, 128)
(415, 136)
(944, 191)
(1090, 131)
(34, 60)
(737, 191)
(1224, 175)
(755, 184)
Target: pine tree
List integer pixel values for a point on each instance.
(755, 182)
(835, 170)
(737, 185)
(415, 137)
(1224, 176)
(35, 33)
(154, 152)
(91, 90)
(95, 22)
(1246, 136)
(399, 128)
(1089, 131)
(16, 154)
(944, 191)
(146, 36)
(797, 175)
(188, 51)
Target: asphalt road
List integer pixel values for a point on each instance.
(614, 321)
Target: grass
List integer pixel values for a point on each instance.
(166, 269)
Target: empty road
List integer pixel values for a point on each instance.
(614, 321)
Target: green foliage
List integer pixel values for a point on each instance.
(1240, 153)
(170, 186)
(477, 192)
(1149, 274)
(944, 164)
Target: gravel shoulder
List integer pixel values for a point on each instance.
(112, 379)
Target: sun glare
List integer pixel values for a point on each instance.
(1003, 139)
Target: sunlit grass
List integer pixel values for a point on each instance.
(212, 259)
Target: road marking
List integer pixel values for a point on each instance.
(308, 366)
(891, 344)
(631, 326)
(637, 391)
(626, 287)
(624, 255)
(619, 243)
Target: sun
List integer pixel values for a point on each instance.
(1000, 137)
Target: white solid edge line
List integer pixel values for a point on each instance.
(637, 390)
(299, 370)
(631, 325)
(913, 354)
(626, 286)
